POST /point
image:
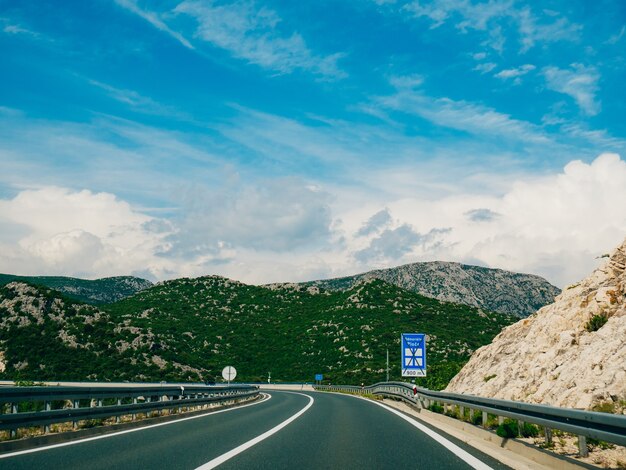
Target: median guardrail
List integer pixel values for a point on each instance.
(27, 407)
(586, 424)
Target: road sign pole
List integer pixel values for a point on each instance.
(387, 365)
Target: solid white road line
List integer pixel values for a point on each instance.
(456, 450)
(105, 436)
(246, 445)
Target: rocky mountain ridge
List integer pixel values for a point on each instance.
(98, 291)
(489, 289)
(571, 353)
(189, 329)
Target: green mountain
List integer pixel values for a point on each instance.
(189, 329)
(490, 289)
(99, 291)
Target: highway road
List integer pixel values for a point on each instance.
(286, 430)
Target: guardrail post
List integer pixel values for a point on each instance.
(583, 450)
(119, 403)
(48, 407)
(548, 434)
(75, 404)
(520, 428)
(462, 413)
(471, 415)
(500, 419)
(485, 417)
(13, 432)
(134, 416)
(148, 413)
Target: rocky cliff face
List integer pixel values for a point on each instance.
(571, 353)
(489, 289)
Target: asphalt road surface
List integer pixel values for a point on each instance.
(301, 430)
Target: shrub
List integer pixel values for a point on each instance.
(91, 423)
(604, 407)
(436, 408)
(487, 378)
(591, 442)
(596, 322)
(530, 430)
(507, 429)
(477, 418)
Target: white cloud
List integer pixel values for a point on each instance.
(140, 103)
(515, 72)
(251, 33)
(17, 29)
(119, 156)
(462, 115)
(287, 230)
(554, 226)
(154, 19)
(615, 38)
(375, 223)
(580, 82)
(485, 67)
(532, 31)
(280, 215)
(60, 231)
(493, 17)
(393, 244)
(243, 233)
(481, 215)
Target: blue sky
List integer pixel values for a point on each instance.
(285, 141)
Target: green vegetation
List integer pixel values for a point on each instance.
(28, 383)
(507, 429)
(99, 291)
(477, 418)
(596, 443)
(436, 408)
(438, 375)
(596, 322)
(604, 407)
(530, 430)
(189, 329)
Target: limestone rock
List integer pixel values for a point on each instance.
(489, 289)
(551, 357)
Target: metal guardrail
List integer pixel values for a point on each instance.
(586, 424)
(127, 400)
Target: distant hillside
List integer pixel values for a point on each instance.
(99, 291)
(189, 329)
(490, 289)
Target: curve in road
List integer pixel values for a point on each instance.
(292, 430)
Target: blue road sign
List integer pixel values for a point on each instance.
(319, 377)
(413, 354)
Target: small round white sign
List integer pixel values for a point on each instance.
(229, 373)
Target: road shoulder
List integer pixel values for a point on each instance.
(515, 454)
